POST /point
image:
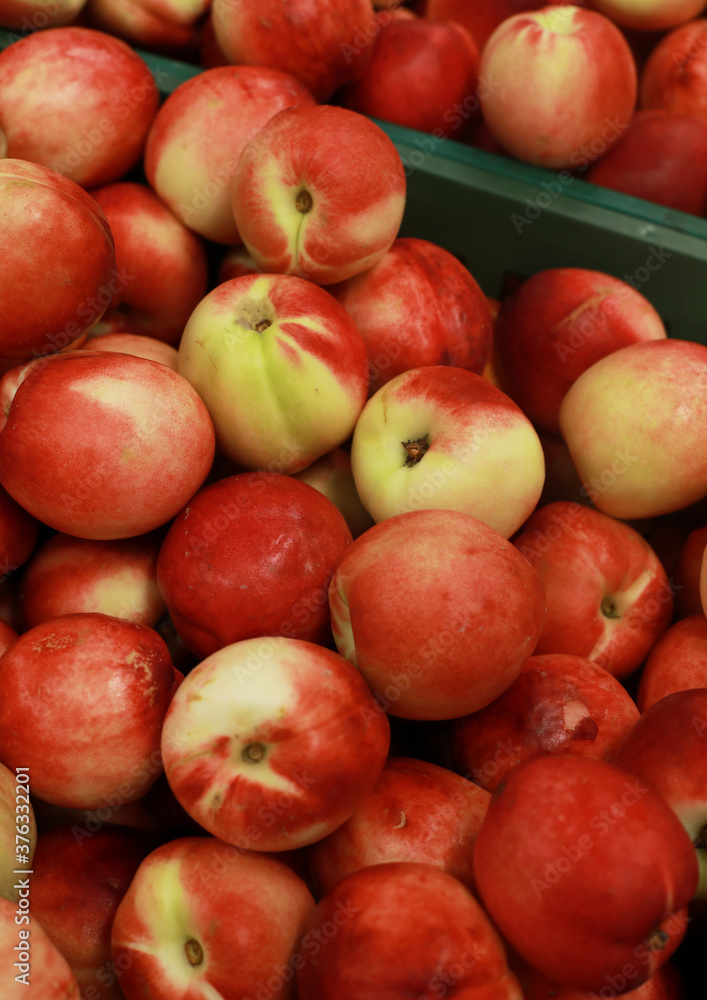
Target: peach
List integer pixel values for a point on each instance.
(564, 83)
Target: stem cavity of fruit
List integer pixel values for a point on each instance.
(194, 952)
(608, 608)
(304, 202)
(657, 941)
(253, 753)
(256, 313)
(415, 450)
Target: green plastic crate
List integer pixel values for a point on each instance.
(506, 219)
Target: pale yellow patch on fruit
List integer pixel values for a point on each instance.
(162, 903)
(555, 67)
(341, 624)
(281, 195)
(623, 603)
(188, 11)
(496, 474)
(197, 190)
(273, 404)
(126, 594)
(147, 412)
(146, 233)
(558, 20)
(651, 15)
(234, 696)
(373, 227)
